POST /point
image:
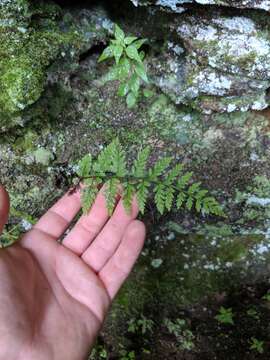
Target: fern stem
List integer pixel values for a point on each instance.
(125, 178)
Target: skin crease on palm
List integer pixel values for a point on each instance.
(53, 296)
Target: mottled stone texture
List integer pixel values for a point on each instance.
(212, 60)
(34, 36)
(222, 64)
(216, 60)
(14, 12)
(209, 71)
(177, 5)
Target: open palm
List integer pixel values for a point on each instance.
(53, 296)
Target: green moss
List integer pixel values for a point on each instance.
(252, 202)
(218, 230)
(232, 251)
(25, 54)
(236, 118)
(15, 12)
(26, 142)
(245, 61)
(193, 267)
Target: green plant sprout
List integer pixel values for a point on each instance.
(142, 325)
(127, 355)
(225, 316)
(98, 353)
(8, 237)
(12, 234)
(179, 329)
(266, 296)
(129, 68)
(253, 313)
(170, 186)
(257, 345)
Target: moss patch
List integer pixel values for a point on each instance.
(25, 54)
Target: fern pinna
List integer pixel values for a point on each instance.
(169, 185)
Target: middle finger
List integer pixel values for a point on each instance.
(107, 242)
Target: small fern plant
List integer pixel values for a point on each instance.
(129, 68)
(170, 186)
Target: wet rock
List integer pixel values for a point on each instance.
(193, 267)
(14, 12)
(78, 114)
(223, 65)
(31, 54)
(223, 151)
(177, 6)
(198, 275)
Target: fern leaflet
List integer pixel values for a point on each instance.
(84, 166)
(142, 194)
(138, 169)
(128, 194)
(159, 168)
(160, 197)
(111, 191)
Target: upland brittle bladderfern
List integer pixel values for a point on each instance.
(169, 185)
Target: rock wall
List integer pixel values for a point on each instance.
(209, 70)
(223, 65)
(33, 37)
(178, 6)
(212, 59)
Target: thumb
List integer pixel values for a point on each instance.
(4, 207)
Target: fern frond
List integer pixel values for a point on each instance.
(88, 196)
(142, 195)
(184, 180)
(189, 203)
(110, 168)
(201, 194)
(159, 168)
(160, 197)
(198, 205)
(89, 193)
(138, 169)
(173, 174)
(103, 161)
(128, 193)
(118, 159)
(169, 198)
(211, 206)
(84, 166)
(180, 200)
(111, 190)
(194, 188)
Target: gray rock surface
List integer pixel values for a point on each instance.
(177, 5)
(223, 64)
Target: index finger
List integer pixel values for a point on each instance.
(58, 218)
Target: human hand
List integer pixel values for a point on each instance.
(53, 296)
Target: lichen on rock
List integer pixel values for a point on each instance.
(14, 12)
(178, 5)
(29, 47)
(25, 53)
(224, 66)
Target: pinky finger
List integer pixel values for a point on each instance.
(118, 268)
